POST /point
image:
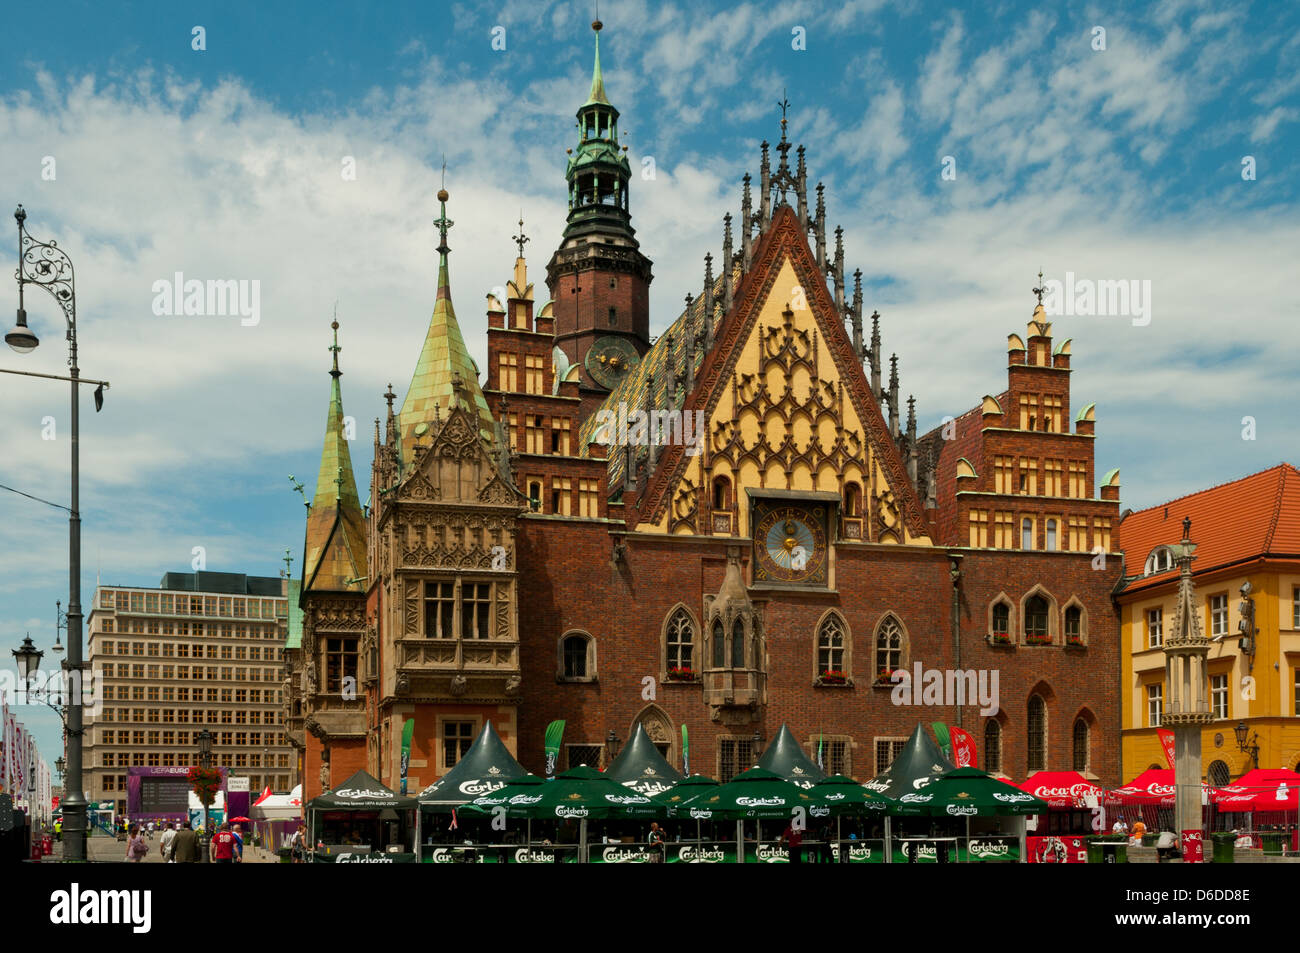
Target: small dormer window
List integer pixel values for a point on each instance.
(1160, 560)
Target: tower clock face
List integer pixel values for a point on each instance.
(790, 543)
(610, 359)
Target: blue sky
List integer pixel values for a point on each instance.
(1115, 163)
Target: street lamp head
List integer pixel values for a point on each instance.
(20, 216)
(21, 338)
(59, 765)
(28, 658)
(1240, 732)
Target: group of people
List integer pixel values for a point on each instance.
(180, 844)
(1166, 840)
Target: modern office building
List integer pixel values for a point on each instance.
(204, 649)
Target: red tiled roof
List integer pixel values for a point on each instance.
(1257, 515)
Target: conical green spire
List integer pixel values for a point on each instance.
(597, 83)
(336, 542)
(445, 375)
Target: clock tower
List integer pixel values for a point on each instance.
(598, 279)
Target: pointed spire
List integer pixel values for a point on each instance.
(708, 301)
(597, 94)
(893, 395)
(443, 358)
(335, 541)
(875, 354)
(746, 225)
(764, 190)
(839, 269)
(801, 189)
(820, 227)
(855, 315)
(727, 256)
(911, 439)
(692, 331)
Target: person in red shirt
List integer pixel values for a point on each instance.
(223, 846)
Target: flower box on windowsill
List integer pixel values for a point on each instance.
(1000, 639)
(1074, 641)
(884, 679)
(1038, 640)
(837, 679)
(683, 675)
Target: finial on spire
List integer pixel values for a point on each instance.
(521, 239)
(390, 396)
(288, 564)
(1041, 287)
(442, 221)
(335, 372)
(784, 104)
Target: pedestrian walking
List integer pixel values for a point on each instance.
(136, 848)
(223, 846)
(150, 828)
(793, 838)
(185, 845)
(239, 843)
(298, 845)
(656, 842)
(168, 838)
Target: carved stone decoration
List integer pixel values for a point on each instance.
(459, 684)
(513, 685)
(403, 683)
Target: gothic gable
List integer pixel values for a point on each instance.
(786, 407)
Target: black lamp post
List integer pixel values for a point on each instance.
(1251, 748)
(205, 762)
(45, 265)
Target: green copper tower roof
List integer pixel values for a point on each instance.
(597, 83)
(445, 375)
(335, 557)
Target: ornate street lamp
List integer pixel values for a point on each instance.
(59, 765)
(47, 266)
(27, 657)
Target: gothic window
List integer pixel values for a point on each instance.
(680, 634)
(889, 646)
(738, 644)
(719, 646)
(721, 493)
(1037, 734)
(1081, 740)
(992, 746)
(852, 500)
(1001, 627)
(830, 645)
(1074, 625)
(1036, 614)
(439, 606)
(577, 657)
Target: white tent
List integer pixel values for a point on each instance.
(279, 807)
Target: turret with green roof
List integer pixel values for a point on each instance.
(335, 556)
(445, 375)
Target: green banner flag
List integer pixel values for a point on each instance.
(941, 733)
(686, 753)
(408, 732)
(554, 732)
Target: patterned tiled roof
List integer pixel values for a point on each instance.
(1249, 518)
(294, 639)
(665, 393)
(443, 359)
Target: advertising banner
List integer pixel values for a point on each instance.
(623, 854)
(1192, 846)
(1056, 850)
(705, 853)
(348, 858)
(861, 852)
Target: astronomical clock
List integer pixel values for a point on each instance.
(610, 359)
(790, 542)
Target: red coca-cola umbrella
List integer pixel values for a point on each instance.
(1060, 789)
(1153, 786)
(1263, 789)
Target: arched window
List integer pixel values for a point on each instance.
(719, 646)
(1027, 533)
(1219, 775)
(1001, 621)
(721, 493)
(1080, 745)
(992, 746)
(1073, 624)
(738, 644)
(1037, 734)
(577, 662)
(830, 645)
(889, 646)
(1160, 560)
(1036, 614)
(1051, 535)
(852, 500)
(680, 635)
